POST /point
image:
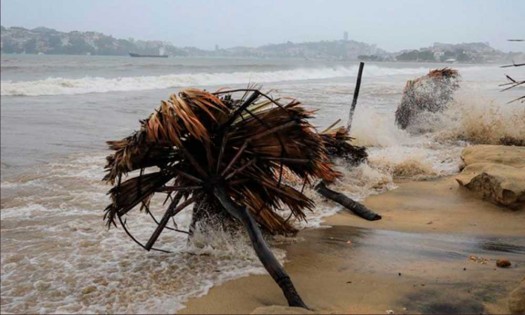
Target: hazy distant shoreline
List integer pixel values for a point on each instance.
(456, 63)
(42, 40)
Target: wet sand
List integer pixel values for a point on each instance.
(434, 251)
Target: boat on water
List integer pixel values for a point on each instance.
(152, 56)
(160, 55)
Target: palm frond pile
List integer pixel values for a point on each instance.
(430, 93)
(337, 143)
(197, 141)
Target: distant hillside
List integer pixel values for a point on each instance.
(49, 41)
(336, 49)
(464, 52)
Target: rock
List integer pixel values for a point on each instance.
(495, 173)
(277, 309)
(503, 263)
(517, 299)
(430, 93)
(507, 155)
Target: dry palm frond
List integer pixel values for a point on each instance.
(337, 144)
(443, 73)
(200, 140)
(512, 83)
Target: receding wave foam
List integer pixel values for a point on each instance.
(58, 257)
(480, 121)
(65, 86)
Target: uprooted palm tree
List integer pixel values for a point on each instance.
(227, 156)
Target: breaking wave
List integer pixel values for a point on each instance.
(480, 121)
(67, 86)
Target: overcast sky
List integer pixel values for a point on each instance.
(391, 24)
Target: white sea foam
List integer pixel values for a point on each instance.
(67, 86)
(60, 258)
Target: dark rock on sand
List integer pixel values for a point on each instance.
(503, 263)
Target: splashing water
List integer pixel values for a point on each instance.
(57, 255)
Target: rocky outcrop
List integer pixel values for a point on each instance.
(495, 173)
(428, 94)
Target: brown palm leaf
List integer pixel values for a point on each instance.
(337, 143)
(198, 141)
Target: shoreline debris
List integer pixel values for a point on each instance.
(503, 263)
(226, 155)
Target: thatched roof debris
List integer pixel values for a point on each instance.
(198, 140)
(337, 143)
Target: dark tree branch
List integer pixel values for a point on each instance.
(354, 206)
(262, 250)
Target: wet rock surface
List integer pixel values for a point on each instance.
(430, 93)
(495, 173)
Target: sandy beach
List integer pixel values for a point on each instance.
(434, 251)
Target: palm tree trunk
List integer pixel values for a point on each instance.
(209, 214)
(262, 250)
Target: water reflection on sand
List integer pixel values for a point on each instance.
(430, 273)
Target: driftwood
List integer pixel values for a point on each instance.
(354, 206)
(338, 146)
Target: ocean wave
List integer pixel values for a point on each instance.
(480, 121)
(67, 86)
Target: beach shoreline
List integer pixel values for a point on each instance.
(433, 235)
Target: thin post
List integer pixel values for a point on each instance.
(356, 95)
